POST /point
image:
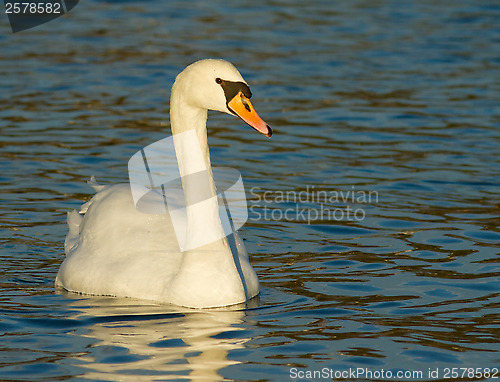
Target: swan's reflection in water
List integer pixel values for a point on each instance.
(139, 341)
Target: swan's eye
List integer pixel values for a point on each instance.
(218, 80)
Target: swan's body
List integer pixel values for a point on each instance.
(117, 250)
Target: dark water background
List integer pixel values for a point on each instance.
(398, 98)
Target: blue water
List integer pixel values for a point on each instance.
(397, 99)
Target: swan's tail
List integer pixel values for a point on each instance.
(93, 183)
(97, 187)
(74, 221)
(75, 218)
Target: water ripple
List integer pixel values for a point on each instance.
(398, 100)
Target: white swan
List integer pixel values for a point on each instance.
(116, 250)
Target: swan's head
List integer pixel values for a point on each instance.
(217, 85)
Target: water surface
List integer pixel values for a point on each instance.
(400, 100)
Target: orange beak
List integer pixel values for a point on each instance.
(243, 108)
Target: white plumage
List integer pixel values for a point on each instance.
(114, 249)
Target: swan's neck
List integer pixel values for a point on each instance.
(207, 275)
(203, 225)
(185, 118)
